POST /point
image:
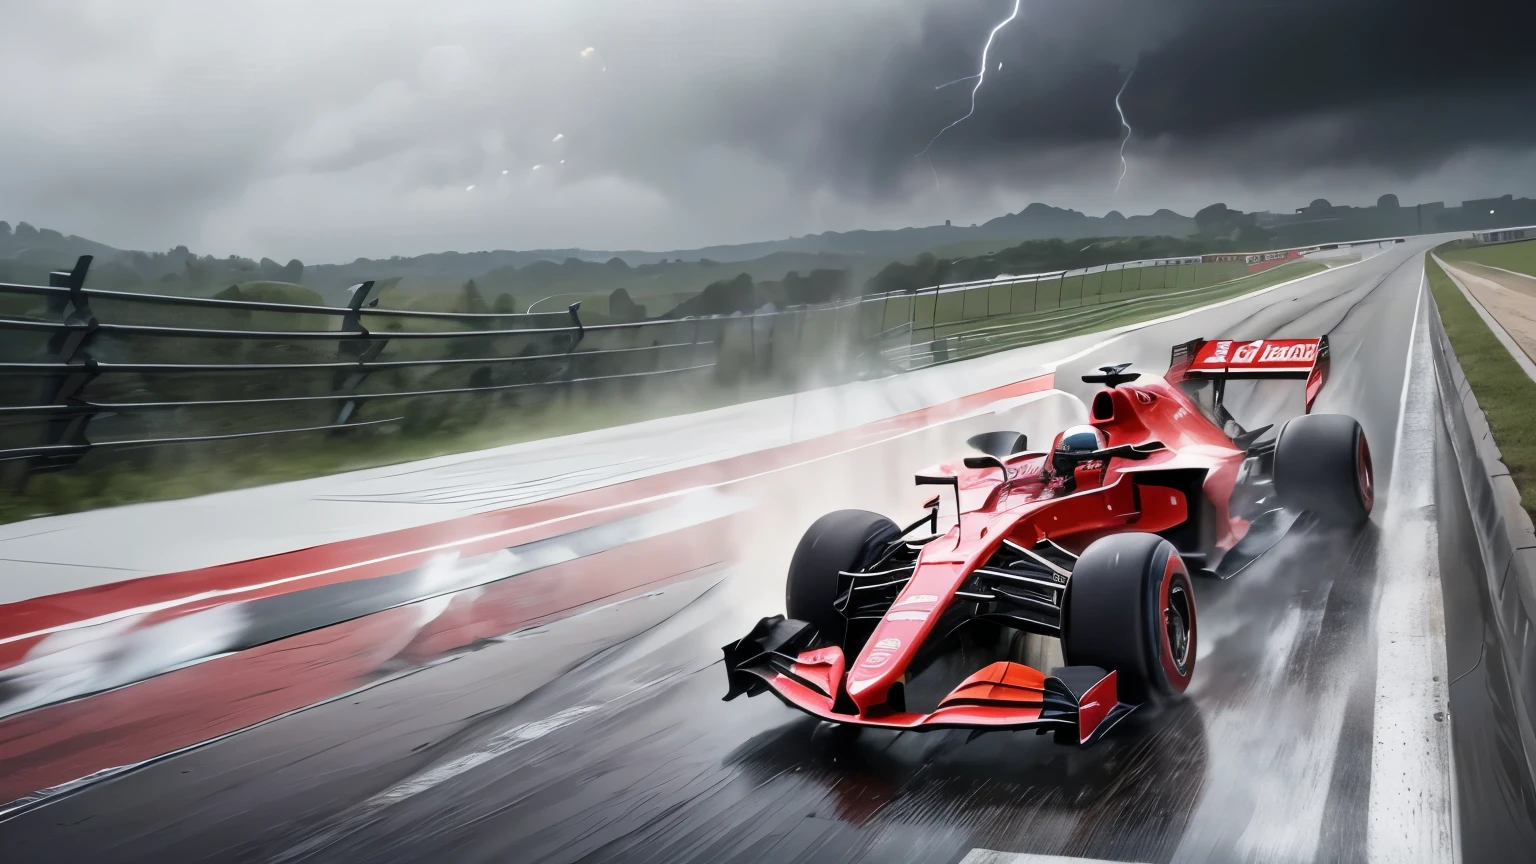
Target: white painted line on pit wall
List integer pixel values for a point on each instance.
(987, 856)
(1410, 817)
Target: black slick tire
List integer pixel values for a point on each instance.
(844, 540)
(1130, 609)
(1323, 467)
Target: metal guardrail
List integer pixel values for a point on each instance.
(1499, 236)
(68, 370)
(49, 430)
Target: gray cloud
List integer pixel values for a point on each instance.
(328, 130)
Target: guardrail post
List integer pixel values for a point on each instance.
(362, 350)
(581, 332)
(76, 304)
(912, 325)
(71, 346)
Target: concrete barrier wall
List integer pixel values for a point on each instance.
(1506, 539)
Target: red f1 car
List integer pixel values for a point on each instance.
(1090, 542)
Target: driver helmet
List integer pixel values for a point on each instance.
(1075, 442)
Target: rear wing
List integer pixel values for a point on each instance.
(1221, 360)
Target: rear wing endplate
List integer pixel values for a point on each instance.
(1228, 359)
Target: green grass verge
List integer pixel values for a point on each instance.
(1504, 392)
(1519, 257)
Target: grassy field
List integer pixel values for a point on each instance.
(1503, 390)
(983, 320)
(1519, 257)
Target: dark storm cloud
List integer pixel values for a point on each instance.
(334, 128)
(1235, 64)
(1391, 84)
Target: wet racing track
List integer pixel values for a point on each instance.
(604, 738)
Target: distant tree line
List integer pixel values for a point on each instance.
(474, 282)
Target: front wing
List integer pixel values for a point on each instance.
(786, 657)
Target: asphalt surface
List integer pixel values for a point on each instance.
(603, 737)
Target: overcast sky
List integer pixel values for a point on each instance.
(332, 129)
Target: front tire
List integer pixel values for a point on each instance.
(1130, 608)
(844, 540)
(1323, 466)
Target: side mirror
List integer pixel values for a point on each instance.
(999, 444)
(946, 480)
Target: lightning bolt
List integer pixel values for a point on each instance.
(957, 81)
(1124, 166)
(981, 78)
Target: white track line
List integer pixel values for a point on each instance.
(987, 856)
(1410, 814)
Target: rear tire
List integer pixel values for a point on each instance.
(848, 540)
(1323, 466)
(1130, 608)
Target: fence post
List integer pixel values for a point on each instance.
(574, 311)
(71, 346)
(912, 326)
(362, 350)
(581, 331)
(796, 363)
